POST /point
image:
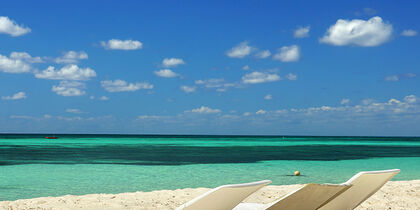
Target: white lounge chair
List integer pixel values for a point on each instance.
(347, 195)
(223, 197)
(364, 185)
(308, 197)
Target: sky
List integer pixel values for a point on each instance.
(210, 67)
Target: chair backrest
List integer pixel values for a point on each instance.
(308, 197)
(364, 185)
(225, 197)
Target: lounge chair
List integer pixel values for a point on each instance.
(364, 185)
(309, 197)
(347, 195)
(223, 197)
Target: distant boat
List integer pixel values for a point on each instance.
(51, 137)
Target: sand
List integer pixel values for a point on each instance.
(394, 195)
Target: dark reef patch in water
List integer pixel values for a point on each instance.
(182, 155)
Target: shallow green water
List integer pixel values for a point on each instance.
(32, 166)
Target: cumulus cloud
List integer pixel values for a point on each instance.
(268, 97)
(345, 101)
(69, 88)
(24, 56)
(188, 89)
(16, 96)
(167, 73)
(246, 67)
(211, 83)
(291, 76)
(409, 32)
(411, 99)
(410, 75)
(172, 62)
(365, 33)
(261, 111)
(104, 98)
(246, 114)
(116, 44)
(18, 62)
(69, 72)
(396, 78)
(392, 78)
(123, 86)
(392, 107)
(263, 54)
(8, 26)
(74, 111)
(259, 77)
(219, 84)
(239, 51)
(288, 54)
(205, 110)
(72, 57)
(149, 117)
(302, 32)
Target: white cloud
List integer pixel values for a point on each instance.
(167, 73)
(247, 114)
(246, 67)
(302, 32)
(367, 101)
(16, 96)
(367, 109)
(69, 88)
(188, 89)
(288, 54)
(149, 117)
(411, 99)
(172, 62)
(268, 97)
(69, 72)
(22, 117)
(359, 32)
(121, 85)
(392, 78)
(116, 44)
(104, 98)
(396, 78)
(8, 26)
(74, 111)
(345, 101)
(219, 84)
(409, 32)
(259, 77)
(15, 64)
(263, 54)
(205, 110)
(261, 112)
(410, 75)
(291, 76)
(77, 118)
(24, 56)
(239, 51)
(72, 57)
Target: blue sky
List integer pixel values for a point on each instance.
(210, 67)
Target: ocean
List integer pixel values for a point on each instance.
(32, 166)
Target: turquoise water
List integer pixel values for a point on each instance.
(32, 166)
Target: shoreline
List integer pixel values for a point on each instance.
(394, 195)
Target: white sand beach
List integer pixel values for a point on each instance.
(394, 195)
